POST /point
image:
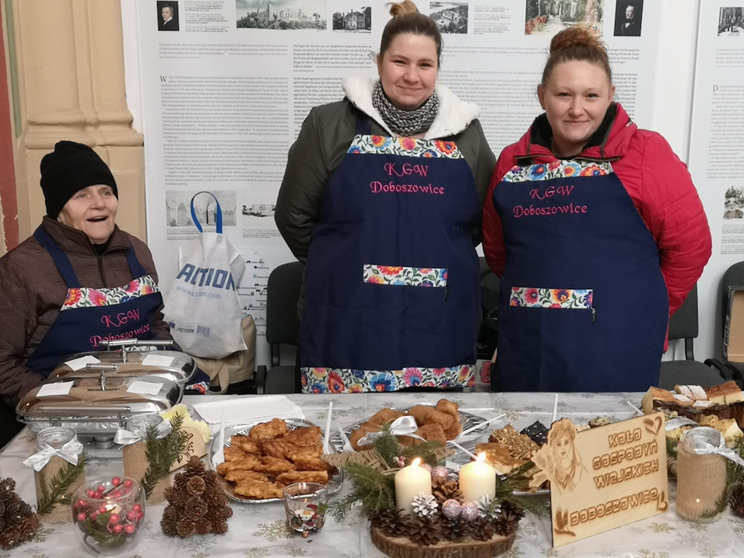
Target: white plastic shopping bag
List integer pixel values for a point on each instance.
(202, 306)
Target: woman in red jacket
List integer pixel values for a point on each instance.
(596, 231)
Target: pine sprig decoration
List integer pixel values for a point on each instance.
(373, 489)
(389, 448)
(163, 453)
(734, 475)
(55, 491)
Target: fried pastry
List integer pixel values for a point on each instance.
(241, 475)
(303, 476)
(273, 466)
(431, 432)
(260, 490)
(384, 416)
(233, 453)
(420, 413)
(449, 407)
(279, 448)
(307, 436)
(273, 429)
(248, 462)
(357, 435)
(246, 443)
(499, 456)
(309, 462)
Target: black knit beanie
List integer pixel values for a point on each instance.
(67, 170)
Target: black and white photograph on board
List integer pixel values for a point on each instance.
(628, 18)
(546, 18)
(280, 14)
(167, 15)
(352, 19)
(178, 208)
(733, 207)
(731, 22)
(450, 17)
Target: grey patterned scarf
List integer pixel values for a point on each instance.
(405, 123)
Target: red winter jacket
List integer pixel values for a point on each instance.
(657, 182)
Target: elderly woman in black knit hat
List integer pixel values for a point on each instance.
(77, 281)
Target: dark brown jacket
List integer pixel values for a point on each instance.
(32, 292)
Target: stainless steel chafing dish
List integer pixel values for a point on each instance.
(96, 406)
(131, 361)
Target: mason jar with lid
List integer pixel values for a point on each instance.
(57, 437)
(701, 478)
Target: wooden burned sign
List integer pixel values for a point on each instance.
(604, 477)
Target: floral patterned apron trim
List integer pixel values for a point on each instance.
(88, 297)
(551, 298)
(406, 276)
(557, 169)
(409, 147)
(347, 380)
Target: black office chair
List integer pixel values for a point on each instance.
(684, 325)
(282, 328)
(733, 278)
(488, 336)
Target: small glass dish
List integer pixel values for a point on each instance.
(108, 515)
(305, 504)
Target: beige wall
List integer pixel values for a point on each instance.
(70, 79)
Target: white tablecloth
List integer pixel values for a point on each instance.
(258, 531)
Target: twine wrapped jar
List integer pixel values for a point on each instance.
(701, 479)
(57, 438)
(136, 463)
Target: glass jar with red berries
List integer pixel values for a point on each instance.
(109, 515)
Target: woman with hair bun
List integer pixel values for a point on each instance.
(382, 200)
(596, 231)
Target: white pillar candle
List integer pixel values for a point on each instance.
(410, 482)
(477, 479)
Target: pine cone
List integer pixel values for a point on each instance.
(169, 527)
(508, 519)
(227, 512)
(389, 522)
(445, 489)
(7, 488)
(483, 529)
(211, 479)
(196, 486)
(169, 492)
(453, 529)
(220, 528)
(736, 503)
(194, 467)
(185, 527)
(424, 532)
(195, 507)
(214, 498)
(203, 526)
(170, 514)
(28, 526)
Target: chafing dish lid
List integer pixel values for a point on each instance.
(84, 397)
(173, 365)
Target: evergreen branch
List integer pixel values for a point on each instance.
(387, 446)
(671, 448)
(373, 489)
(56, 491)
(163, 453)
(734, 473)
(536, 506)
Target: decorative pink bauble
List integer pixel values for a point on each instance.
(451, 509)
(439, 472)
(469, 511)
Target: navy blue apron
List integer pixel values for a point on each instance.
(584, 306)
(91, 315)
(392, 277)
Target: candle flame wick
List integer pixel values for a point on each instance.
(416, 462)
(481, 457)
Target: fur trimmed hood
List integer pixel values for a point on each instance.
(453, 117)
